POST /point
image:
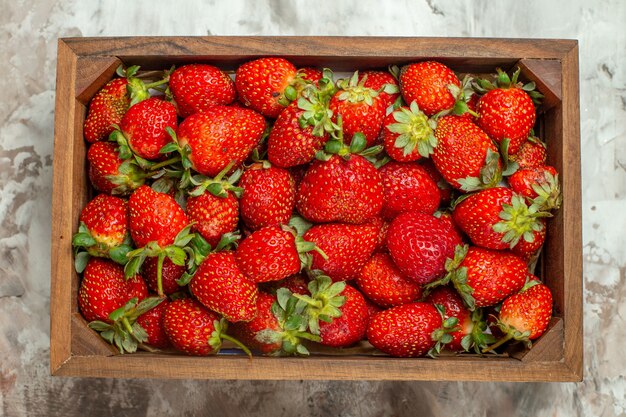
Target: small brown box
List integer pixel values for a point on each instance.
(86, 64)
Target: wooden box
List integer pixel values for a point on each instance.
(86, 64)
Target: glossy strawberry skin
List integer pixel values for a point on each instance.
(531, 154)
(106, 218)
(269, 196)
(351, 326)
(104, 170)
(220, 286)
(310, 74)
(144, 127)
(359, 117)
(213, 216)
(382, 282)
(154, 216)
(507, 113)
(198, 87)
(461, 149)
(529, 311)
(376, 80)
(261, 83)
(269, 254)
(522, 180)
(349, 191)
(104, 289)
(247, 332)
(406, 330)
(419, 244)
(381, 238)
(525, 249)
(454, 307)
(347, 246)
(106, 109)
(407, 187)
(170, 273)
(219, 136)
(426, 83)
(494, 275)
(445, 190)
(289, 144)
(189, 325)
(152, 323)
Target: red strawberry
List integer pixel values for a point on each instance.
(106, 109)
(297, 284)
(265, 85)
(445, 191)
(194, 330)
(408, 134)
(465, 156)
(372, 310)
(382, 282)
(341, 190)
(525, 249)
(347, 246)
(219, 136)
(472, 104)
(104, 226)
(268, 197)
(197, 87)
(310, 74)
(170, 274)
(538, 181)
(144, 127)
(381, 239)
(104, 289)
(152, 323)
(382, 82)
(419, 244)
(407, 187)
(214, 215)
(426, 83)
(155, 217)
(507, 111)
(220, 285)
(406, 330)
(109, 173)
(531, 154)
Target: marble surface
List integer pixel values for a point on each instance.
(28, 31)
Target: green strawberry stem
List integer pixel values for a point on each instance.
(498, 343)
(238, 343)
(310, 301)
(160, 260)
(154, 168)
(127, 325)
(157, 83)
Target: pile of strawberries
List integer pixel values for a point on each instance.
(286, 209)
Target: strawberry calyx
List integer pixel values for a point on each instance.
(415, 130)
(457, 275)
(218, 186)
(548, 193)
(503, 81)
(198, 249)
(358, 145)
(123, 331)
(323, 303)
(519, 221)
(83, 239)
(137, 89)
(477, 339)
(442, 335)
(462, 96)
(354, 90)
(304, 248)
(219, 334)
(490, 174)
(314, 101)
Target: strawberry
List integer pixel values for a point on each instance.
(407, 187)
(170, 273)
(104, 228)
(525, 249)
(408, 134)
(219, 136)
(531, 154)
(537, 182)
(426, 83)
(506, 111)
(152, 323)
(194, 330)
(465, 156)
(406, 330)
(419, 244)
(310, 74)
(381, 239)
(347, 246)
(339, 189)
(359, 109)
(297, 284)
(197, 87)
(472, 104)
(497, 218)
(268, 197)
(109, 173)
(265, 85)
(106, 109)
(220, 285)
(104, 289)
(382, 282)
(445, 190)
(372, 309)
(144, 127)
(382, 82)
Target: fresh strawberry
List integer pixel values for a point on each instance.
(419, 244)
(506, 111)
(427, 83)
(265, 85)
(382, 82)
(465, 156)
(497, 218)
(406, 330)
(408, 134)
(445, 190)
(310, 74)
(219, 136)
(104, 228)
(106, 109)
(382, 282)
(109, 173)
(537, 182)
(194, 330)
(345, 190)
(381, 239)
(372, 309)
(104, 289)
(359, 108)
(152, 323)
(347, 246)
(268, 197)
(220, 285)
(197, 87)
(472, 104)
(531, 154)
(297, 284)
(525, 249)
(170, 273)
(144, 127)
(407, 187)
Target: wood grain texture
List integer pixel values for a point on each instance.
(546, 73)
(87, 63)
